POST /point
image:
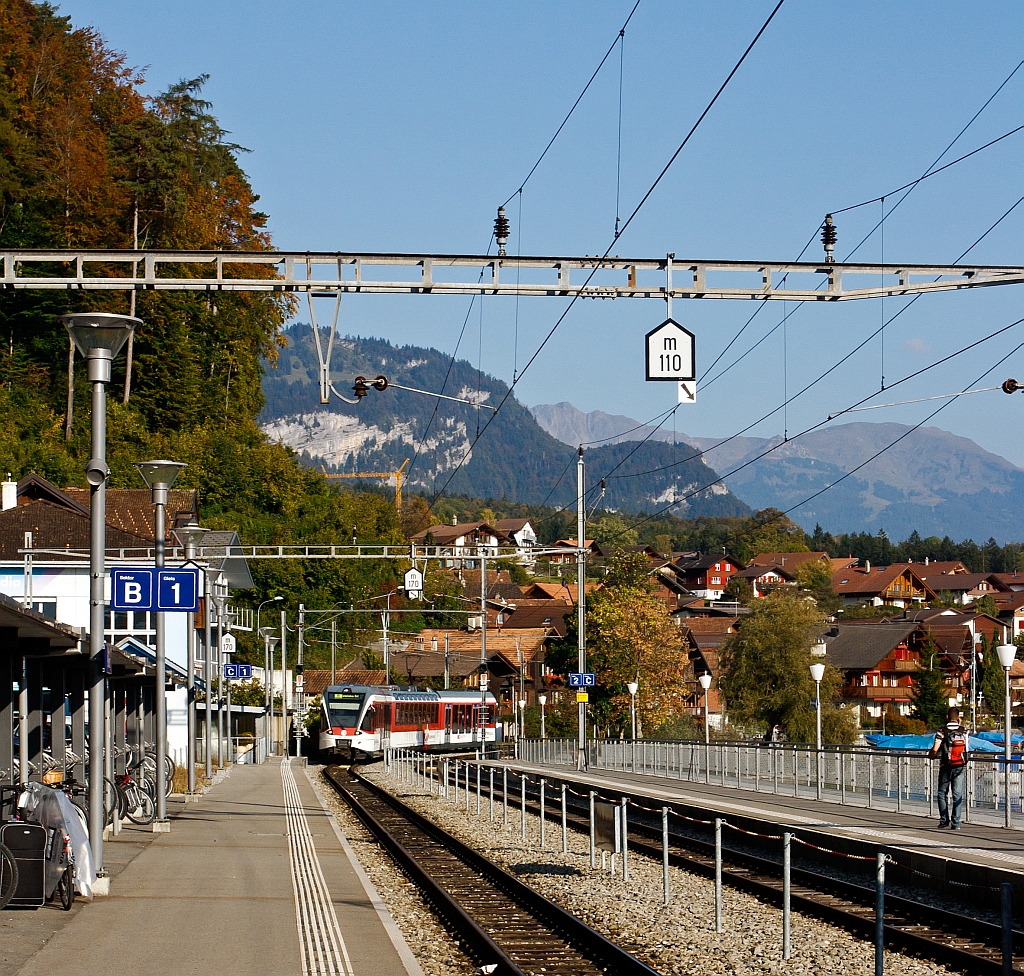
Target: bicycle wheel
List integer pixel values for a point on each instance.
(8, 876)
(113, 801)
(169, 770)
(66, 888)
(81, 805)
(141, 808)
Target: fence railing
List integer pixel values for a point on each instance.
(899, 781)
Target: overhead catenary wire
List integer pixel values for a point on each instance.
(721, 478)
(909, 187)
(575, 104)
(599, 264)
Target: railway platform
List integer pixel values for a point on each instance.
(255, 877)
(977, 855)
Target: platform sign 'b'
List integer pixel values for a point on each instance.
(670, 353)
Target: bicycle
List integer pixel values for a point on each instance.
(8, 876)
(139, 805)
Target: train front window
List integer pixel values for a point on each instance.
(344, 707)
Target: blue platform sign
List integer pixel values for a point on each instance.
(145, 588)
(131, 589)
(238, 671)
(177, 590)
(584, 679)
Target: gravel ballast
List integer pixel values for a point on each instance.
(432, 945)
(677, 938)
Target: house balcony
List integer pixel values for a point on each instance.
(903, 692)
(905, 665)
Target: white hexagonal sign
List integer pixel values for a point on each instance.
(670, 353)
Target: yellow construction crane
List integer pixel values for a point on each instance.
(398, 475)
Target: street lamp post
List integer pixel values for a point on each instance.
(705, 683)
(522, 718)
(542, 700)
(268, 683)
(159, 476)
(98, 337)
(975, 657)
(817, 673)
(633, 687)
(1007, 653)
(189, 535)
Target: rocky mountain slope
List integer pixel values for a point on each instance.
(515, 458)
(933, 481)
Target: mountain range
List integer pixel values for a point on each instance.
(929, 479)
(514, 458)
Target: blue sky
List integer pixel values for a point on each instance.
(401, 126)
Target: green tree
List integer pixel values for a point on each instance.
(814, 577)
(930, 698)
(767, 678)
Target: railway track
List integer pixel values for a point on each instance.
(500, 921)
(947, 937)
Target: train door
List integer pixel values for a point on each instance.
(447, 725)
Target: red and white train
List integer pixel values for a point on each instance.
(362, 721)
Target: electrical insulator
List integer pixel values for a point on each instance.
(501, 227)
(380, 383)
(828, 238)
(360, 387)
(1011, 386)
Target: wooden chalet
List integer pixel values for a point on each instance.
(898, 585)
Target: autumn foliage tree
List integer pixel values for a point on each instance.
(767, 679)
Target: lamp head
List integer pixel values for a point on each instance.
(267, 631)
(99, 335)
(817, 671)
(633, 687)
(189, 534)
(542, 699)
(522, 703)
(1007, 653)
(705, 681)
(159, 476)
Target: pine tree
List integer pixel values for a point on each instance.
(930, 699)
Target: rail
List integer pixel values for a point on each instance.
(900, 781)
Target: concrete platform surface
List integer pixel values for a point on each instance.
(976, 854)
(255, 878)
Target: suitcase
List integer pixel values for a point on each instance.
(27, 842)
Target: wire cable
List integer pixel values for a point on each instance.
(721, 478)
(599, 263)
(909, 187)
(568, 116)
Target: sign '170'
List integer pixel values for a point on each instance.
(170, 590)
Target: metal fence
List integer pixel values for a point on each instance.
(900, 781)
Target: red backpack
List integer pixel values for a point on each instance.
(954, 747)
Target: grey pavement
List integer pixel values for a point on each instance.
(223, 890)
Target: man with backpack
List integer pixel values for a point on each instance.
(951, 747)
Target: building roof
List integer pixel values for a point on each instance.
(863, 647)
(940, 568)
(757, 572)
(444, 535)
(791, 560)
(508, 526)
(419, 660)
(696, 560)
(317, 681)
(131, 509)
(567, 592)
(711, 625)
(963, 582)
(55, 526)
(30, 633)
(843, 562)
(861, 581)
(546, 616)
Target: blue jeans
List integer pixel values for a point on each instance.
(950, 777)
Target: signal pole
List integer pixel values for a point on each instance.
(581, 605)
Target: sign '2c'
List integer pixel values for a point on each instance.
(145, 588)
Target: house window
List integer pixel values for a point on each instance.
(716, 579)
(728, 568)
(48, 608)
(718, 567)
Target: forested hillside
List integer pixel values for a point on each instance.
(86, 160)
(514, 459)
